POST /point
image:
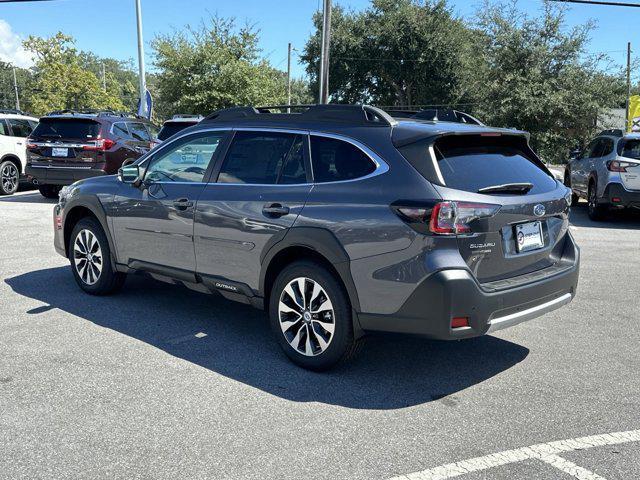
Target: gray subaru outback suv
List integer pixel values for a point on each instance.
(338, 221)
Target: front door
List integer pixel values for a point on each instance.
(153, 223)
(261, 188)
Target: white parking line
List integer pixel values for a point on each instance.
(545, 452)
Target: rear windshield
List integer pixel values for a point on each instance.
(171, 128)
(62, 128)
(630, 149)
(472, 164)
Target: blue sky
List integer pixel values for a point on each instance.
(108, 27)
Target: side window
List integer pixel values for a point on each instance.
(139, 132)
(336, 160)
(19, 128)
(591, 148)
(596, 148)
(258, 158)
(153, 130)
(184, 161)
(607, 147)
(120, 130)
(3, 128)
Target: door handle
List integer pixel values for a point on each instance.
(182, 204)
(275, 210)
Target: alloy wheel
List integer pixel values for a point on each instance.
(87, 256)
(9, 177)
(306, 315)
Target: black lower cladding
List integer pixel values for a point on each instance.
(455, 293)
(61, 176)
(626, 198)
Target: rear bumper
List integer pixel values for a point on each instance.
(50, 175)
(623, 198)
(447, 294)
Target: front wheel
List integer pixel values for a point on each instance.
(310, 316)
(90, 259)
(597, 212)
(9, 178)
(49, 191)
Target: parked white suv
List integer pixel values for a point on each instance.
(15, 127)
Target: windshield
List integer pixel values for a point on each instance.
(61, 128)
(171, 128)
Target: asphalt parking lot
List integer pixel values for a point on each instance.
(162, 382)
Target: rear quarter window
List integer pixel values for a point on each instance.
(336, 160)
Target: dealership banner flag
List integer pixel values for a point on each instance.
(633, 122)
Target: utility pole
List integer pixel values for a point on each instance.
(15, 87)
(289, 77)
(143, 83)
(626, 118)
(324, 53)
(104, 79)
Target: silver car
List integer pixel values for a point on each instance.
(607, 173)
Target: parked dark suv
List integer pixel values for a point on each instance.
(338, 221)
(67, 146)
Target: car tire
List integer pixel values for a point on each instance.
(49, 191)
(315, 332)
(90, 259)
(597, 212)
(9, 178)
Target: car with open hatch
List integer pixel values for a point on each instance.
(338, 221)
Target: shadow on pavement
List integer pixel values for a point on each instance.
(389, 373)
(622, 220)
(28, 198)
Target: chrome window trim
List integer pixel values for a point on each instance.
(381, 166)
(436, 167)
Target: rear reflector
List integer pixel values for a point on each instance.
(616, 200)
(459, 322)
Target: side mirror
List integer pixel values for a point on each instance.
(129, 174)
(576, 154)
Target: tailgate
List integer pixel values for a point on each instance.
(65, 141)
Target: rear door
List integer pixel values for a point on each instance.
(583, 166)
(260, 189)
(527, 233)
(629, 153)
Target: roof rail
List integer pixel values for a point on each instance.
(12, 111)
(435, 115)
(614, 132)
(362, 115)
(96, 112)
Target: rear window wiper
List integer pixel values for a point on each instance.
(518, 188)
(50, 135)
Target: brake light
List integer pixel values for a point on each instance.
(618, 166)
(446, 218)
(101, 144)
(450, 218)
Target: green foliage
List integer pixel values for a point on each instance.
(536, 76)
(60, 79)
(215, 66)
(396, 52)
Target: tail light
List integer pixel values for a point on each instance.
(101, 145)
(446, 218)
(618, 166)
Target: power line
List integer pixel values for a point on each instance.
(600, 2)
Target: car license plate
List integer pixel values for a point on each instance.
(59, 152)
(529, 236)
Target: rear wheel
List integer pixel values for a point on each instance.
(311, 316)
(9, 178)
(90, 259)
(597, 211)
(49, 191)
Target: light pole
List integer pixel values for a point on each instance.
(323, 82)
(15, 87)
(143, 83)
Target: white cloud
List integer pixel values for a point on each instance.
(11, 49)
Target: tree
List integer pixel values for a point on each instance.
(534, 74)
(60, 81)
(7, 90)
(396, 52)
(215, 66)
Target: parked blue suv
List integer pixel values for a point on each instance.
(337, 220)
